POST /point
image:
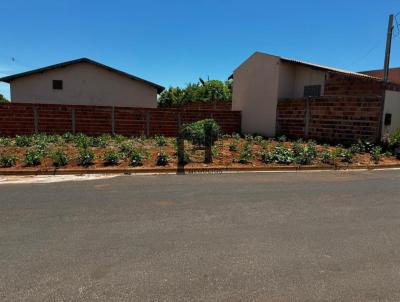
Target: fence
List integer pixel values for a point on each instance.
(332, 119)
(24, 119)
(217, 105)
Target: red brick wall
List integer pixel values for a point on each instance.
(340, 85)
(332, 119)
(19, 119)
(219, 105)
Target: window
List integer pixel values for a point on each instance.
(312, 90)
(57, 84)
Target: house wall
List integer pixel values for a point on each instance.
(255, 93)
(83, 84)
(294, 77)
(392, 105)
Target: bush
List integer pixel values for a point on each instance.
(246, 155)
(33, 157)
(160, 140)
(5, 142)
(195, 132)
(162, 159)
(326, 156)
(111, 157)
(82, 141)
(7, 161)
(233, 146)
(23, 141)
(344, 155)
(376, 154)
(280, 155)
(59, 158)
(136, 157)
(85, 157)
(393, 139)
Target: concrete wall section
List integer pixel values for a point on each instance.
(392, 106)
(255, 93)
(83, 84)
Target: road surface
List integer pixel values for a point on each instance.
(315, 236)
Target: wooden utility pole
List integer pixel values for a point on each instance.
(388, 47)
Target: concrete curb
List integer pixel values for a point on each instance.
(197, 170)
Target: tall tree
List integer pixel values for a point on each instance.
(3, 99)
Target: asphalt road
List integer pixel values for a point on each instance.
(317, 236)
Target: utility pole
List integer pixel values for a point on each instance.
(388, 47)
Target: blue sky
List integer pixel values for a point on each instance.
(176, 42)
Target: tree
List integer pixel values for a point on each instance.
(3, 99)
(204, 91)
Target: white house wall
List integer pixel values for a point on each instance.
(83, 84)
(255, 93)
(294, 77)
(392, 105)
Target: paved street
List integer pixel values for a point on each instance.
(316, 236)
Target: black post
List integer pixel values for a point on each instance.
(207, 143)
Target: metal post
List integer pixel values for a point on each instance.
(35, 119)
(73, 123)
(147, 123)
(388, 48)
(113, 120)
(307, 118)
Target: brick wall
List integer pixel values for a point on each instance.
(19, 119)
(330, 118)
(219, 105)
(340, 84)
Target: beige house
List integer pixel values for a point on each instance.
(82, 82)
(263, 79)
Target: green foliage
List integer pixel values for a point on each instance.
(160, 140)
(23, 141)
(362, 147)
(326, 157)
(233, 146)
(282, 138)
(393, 139)
(211, 90)
(3, 99)
(344, 155)
(246, 154)
(111, 157)
(136, 157)
(376, 154)
(85, 157)
(162, 159)
(304, 155)
(279, 154)
(5, 142)
(195, 132)
(59, 158)
(7, 161)
(82, 141)
(33, 157)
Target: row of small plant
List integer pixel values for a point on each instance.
(85, 157)
(303, 153)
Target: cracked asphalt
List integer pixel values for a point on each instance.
(315, 236)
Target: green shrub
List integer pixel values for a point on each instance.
(82, 141)
(195, 132)
(162, 159)
(59, 158)
(282, 138)
(7, 161)
(246, 155)
(136, 157)
(68, 137)
(326, 157)
(111, 157)
(376, 154)
(23, 141)
(100, 141)
(5, 141)
(85, 157)
(346, 156)
(279, 154)
(233, 146)
(393, 139)
(33, 157)
(126, 148)
(160, 140)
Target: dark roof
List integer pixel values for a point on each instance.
(8, 79)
